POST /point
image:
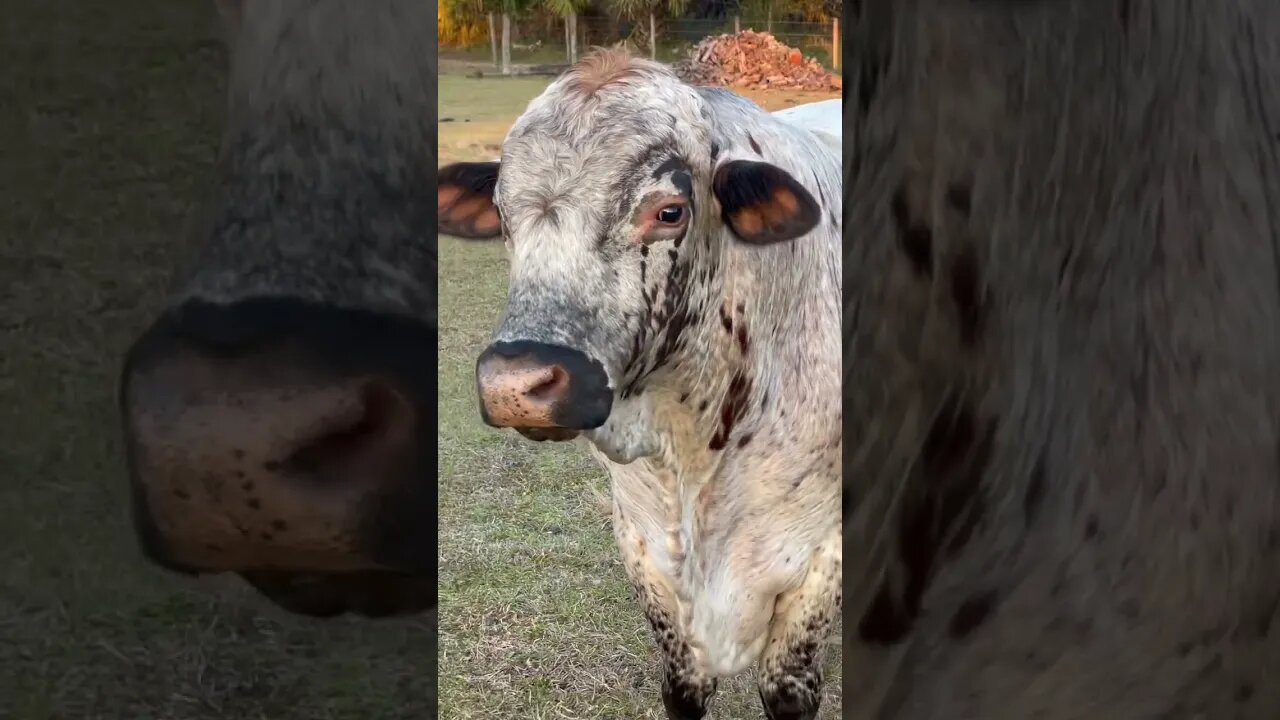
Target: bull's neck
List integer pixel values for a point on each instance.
(767, 338)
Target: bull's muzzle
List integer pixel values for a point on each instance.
(547, 392)
(279, 440)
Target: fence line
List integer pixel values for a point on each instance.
(543, 39)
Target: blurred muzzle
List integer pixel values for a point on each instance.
(285, 441)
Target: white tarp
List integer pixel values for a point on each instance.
(820, 118)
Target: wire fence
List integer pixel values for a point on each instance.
(543, 39)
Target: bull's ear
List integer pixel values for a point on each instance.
(464, 200)
(762, 203)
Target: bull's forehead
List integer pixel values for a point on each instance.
(566, 109)
(590, 166)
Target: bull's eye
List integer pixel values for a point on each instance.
(671, 215)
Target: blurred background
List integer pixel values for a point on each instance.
(551, 32)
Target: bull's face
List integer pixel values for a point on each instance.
(279, 414)
(615, 232)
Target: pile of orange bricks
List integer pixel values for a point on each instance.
(755, 60)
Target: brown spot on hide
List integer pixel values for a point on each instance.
(952, 463)
(959, 196)
(967, 293)
(971, 614)
(732, 409)
(915, 238)
(886, 621)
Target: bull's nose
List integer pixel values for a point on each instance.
(536, 385)
(247, 452)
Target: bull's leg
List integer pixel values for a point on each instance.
(790, 673)
(686, 690)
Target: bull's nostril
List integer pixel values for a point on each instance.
(551, 386)
(382, 424)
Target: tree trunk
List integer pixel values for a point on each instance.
(493, 40)
(1062, 386)
(653, 39)
(573, 37)
(506, 43)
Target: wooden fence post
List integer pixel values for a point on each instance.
(737, 24)
(573, 37)
(506, 43)
(653, 40)
(493, 40)
(835, 43)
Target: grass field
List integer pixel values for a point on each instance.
(109, 119)
(536, 618)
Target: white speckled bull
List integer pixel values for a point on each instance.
(675, 303)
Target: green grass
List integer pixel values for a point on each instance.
(109, 121)
(536, 617)
(487, 99)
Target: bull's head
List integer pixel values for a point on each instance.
(615, 203)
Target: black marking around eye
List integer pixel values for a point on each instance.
(681, 177)
(683, 182)
(624, 188)
(671, 164)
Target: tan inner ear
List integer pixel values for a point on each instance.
(747, 221)
(469, 207)
(775, 213)
(488, 221)
(447, 195)
(787, 201)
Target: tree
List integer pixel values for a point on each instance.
(507, 8)
(635, 10)
(1062, 343)
(459, 23)
(569, 9)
